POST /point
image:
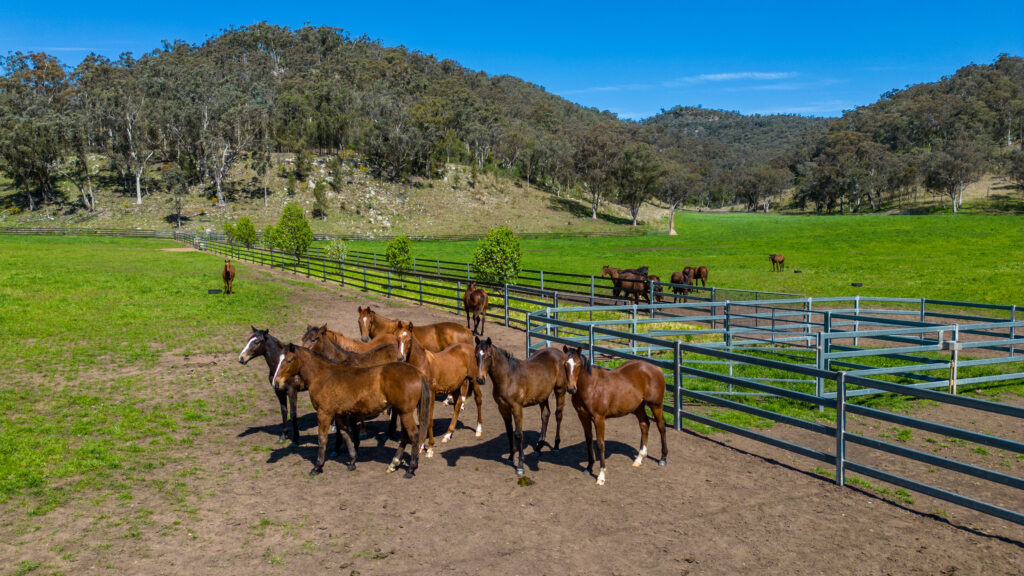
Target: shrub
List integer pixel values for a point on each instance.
(292, 234)
(337, 249)
(497, 258)
(229, 232)
(245, 232)
(320, 200)
(270, 237)
(399, 253)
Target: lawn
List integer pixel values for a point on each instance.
(976, 258)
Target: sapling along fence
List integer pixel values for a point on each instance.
(783, 361)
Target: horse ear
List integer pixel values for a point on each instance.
(565, 348)
(409, 325)
(291, 347)
(477, 338)
(323, 328)
(489, 341)
(254, 329)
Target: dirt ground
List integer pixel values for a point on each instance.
(722, 505)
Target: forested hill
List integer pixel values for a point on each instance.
(759, 138)
(190, 120)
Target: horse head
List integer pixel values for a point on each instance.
(254, 347)
(287, 366)
(313, 333)
(574, 363)
(483, 353)
(405, 336)
(366, 318)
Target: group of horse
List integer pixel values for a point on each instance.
(635, 283)
(398, 365)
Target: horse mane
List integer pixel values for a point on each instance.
(513, 362)
(587, 365)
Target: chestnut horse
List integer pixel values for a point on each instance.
(520, 383)
(261, 343)
(599, 393)
(680, 278)
(700, 273)
(344, 394)
(383, 348)
(778, 262)
(616, 276)
(658, 294)
(475, 303)
(433, 337)
(448, 371)
(351, 344)
(228, 274)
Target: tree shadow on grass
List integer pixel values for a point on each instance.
(581, 210)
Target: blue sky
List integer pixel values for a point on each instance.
(633, 59)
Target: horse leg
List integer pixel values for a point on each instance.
(339, 431)
(506, 415)
(599, 429)
(350, 432)
(559, 409)
(659, 420)
(479, 406)
(354, 433)
(409, 435)
(645, 424)
(430, 424)
(468, 312)
(282, 397)
(588, 434)
(393, 424)
(483, 320)
(293, 397)
(517, 413)
(545, 415)
(323, 420)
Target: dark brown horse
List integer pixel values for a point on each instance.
(679, 279)
(228, 274)
(261, 343)
(658, 294)
(433, 337)
(475, 303)
(616, 275)
(778, 262)
(700, 273)
(523, 383)
(634, 286)
(598, 394)
(344, 394)
(449, 371)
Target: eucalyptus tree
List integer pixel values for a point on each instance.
(594, 159)
(636, 174)
(130, 102)
(84, 129)
(950, 171)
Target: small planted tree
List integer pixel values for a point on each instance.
(497, 258)
(293, 234)
(245, 232)
(399, 253)
(337, 249)
(229, 232)
(269, 237)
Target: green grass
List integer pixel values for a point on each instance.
(968, 257)
(80, 316)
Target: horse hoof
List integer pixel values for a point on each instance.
(479, 430)
(282, 439)
(391, 469)
(520, 471)
(638, 462)
(446, 438)
(430, 453)
(409, 474)
(315, 471)
(661, 462)
(333, 429)
(351, 467)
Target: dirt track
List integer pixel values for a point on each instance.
(722, 505)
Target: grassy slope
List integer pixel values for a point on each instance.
(81, 319)
(965, 257)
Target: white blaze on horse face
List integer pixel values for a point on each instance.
(279, 362)
(401, 343)
(241, 355)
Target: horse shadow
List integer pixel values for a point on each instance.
(376, 446)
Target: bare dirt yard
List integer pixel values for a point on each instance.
(240, 503)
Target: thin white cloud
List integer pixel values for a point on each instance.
(686, 81)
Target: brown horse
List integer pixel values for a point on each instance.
(599, 393)
(448, 371)
(433, 337)
(680, 279)
(613, 273)
(228, 274)
(523, 383)
(261, 343)
(658, 294)
(384, 348)
(700, 273)
(342, 393)
(475, 303)
(778, 262)
(616, 275)
(634, 286)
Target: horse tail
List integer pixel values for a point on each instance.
(426, 397)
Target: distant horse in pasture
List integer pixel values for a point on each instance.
(343, 394)
(228, 274)
(658, 294)
(616, 277)
(778, 262)
(433, 337)
(599, 393)
(475, 303)
(521, 383)
(700, 273)
(678, 280)
(261, 343)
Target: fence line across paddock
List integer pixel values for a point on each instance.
(732, 353)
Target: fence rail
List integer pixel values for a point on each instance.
(786, 350)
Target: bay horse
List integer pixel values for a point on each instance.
(261, 343)
(351, 344)
(228, 274)
(616, 276)
(521, 383)
(700, 273)
(433, 337)
(778, 262)
(475, 303)
(599, 393)
(344, 394)
(449, 371)
(679, 279)
(383, 348)
(658, 294)
(634, 286)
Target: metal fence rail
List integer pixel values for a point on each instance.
(737, 362)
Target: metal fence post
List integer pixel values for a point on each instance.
(421, 289)
(841, 429)
(677, 383)
(375, 259)
(505, 287)
(1013, 329)
(954, 356)
(389, 283)
(541, 279)
(547, 327)
(856, 323)
(529, 324)
(590, 343)
(468, 277)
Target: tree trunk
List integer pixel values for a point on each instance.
(138, 187)
(672, 220)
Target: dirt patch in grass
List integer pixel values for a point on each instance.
(229, 499)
